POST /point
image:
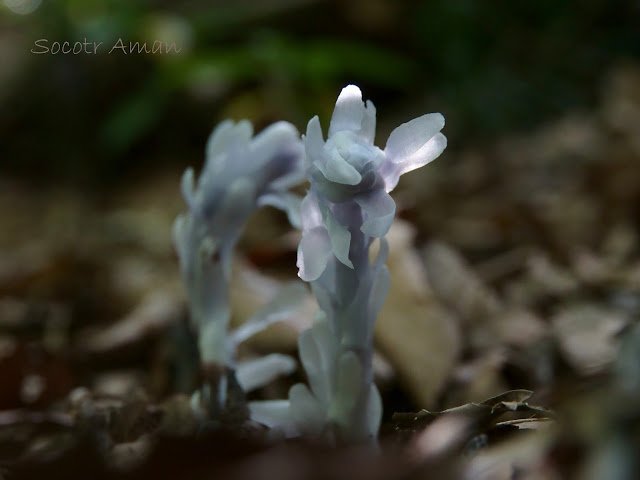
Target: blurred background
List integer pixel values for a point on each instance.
(528, 224)
(491, 68)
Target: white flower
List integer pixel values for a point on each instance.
(348, 168)
(347, 206)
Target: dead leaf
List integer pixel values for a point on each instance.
(419, 338)
(586, 335)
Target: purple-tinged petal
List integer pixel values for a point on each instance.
(430, 151)
(349, 111)
(379, 209)
(409, 137)
(313, 254)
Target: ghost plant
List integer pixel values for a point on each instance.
(240, 174)
(347, 207)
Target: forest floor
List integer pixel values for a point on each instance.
(509, 345)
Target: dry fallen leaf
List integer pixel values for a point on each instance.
(419, 338)
(457, 286)
(586, 335)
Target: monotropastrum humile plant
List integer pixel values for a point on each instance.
(346, 208)
(240, 174)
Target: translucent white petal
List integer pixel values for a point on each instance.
(311, 358)
(252, 374)
(180, 236)
(360, 155)
(212, 338)
(379, 291)
(430, 151)
(340, 238)
(314, 251)
(368, 130)
(349, 110)
(275, 414)
(348, 387)
(327, 347)
(383, 253)
(313, 140)
(217, 142)
(226, 140)
(285, 201)
(337, 169)
(236, 208)
(307, 413)
(310, 212)
(374, 411)
(380, 209)
(409, 137)
(325, 340)
(271, 138)
(187, 185)
(309, 355)
(272, 142)
(332, 191)
(240, 134)
(321, 288)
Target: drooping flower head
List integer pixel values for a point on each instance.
(241, 173)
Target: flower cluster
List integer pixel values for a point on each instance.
(347, 207)
(348, 168)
